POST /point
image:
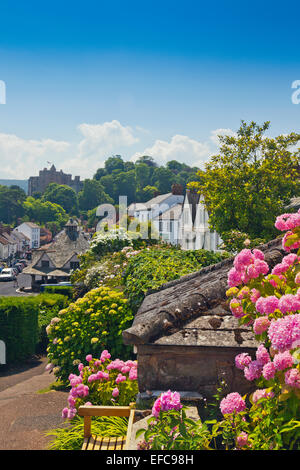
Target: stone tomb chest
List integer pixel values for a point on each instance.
(185, 336)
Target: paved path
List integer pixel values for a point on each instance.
(25, 414)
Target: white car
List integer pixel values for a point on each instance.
(7, 274)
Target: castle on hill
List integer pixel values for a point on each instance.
(40, 183)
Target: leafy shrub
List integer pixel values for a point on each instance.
(154, 266)
(92, 323)
(63, 290)
(22, 322)
(102, 382)
(170, 429)
(19, 326)
(49, 306)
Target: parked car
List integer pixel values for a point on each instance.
(16, 271)
(19, 267)
(8, 274)
(24, 262)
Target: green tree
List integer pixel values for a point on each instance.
(163, 178)
(62, 195)
(44, 212)
(251, 180)
(114, 163)
(92, 195)
(11, 203)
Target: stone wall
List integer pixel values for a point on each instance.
(188, 368)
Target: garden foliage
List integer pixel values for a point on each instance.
(153, 267)
(270, 302)
(92, 323)
(22, 323)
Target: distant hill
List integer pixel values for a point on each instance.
(22, 183)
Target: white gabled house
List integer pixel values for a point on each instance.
(167, 224)
(149, 210)
(31, 231)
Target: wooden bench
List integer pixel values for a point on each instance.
(93, 442)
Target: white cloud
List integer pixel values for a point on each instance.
(101, 139)
(214, 135)
(180, 147)
(99, 142)
(19, 157)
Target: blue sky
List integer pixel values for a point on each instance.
(88, 80)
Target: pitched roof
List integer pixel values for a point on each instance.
(60, 251)
(153, 202)
(31, 224)
(193, 310)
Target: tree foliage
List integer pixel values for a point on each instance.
(250, 181)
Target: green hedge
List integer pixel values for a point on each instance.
(21, 322)
(64, 290)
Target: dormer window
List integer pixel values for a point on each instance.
(45, 264)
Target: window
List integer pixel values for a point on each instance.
(45, 264)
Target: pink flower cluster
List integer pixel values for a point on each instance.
(167, 401)
(285, 264)
(91, 374)
(232, 403)
(286, 222)
(247, 265)
(267, 305)
(284, 333)
(292, 378)
(253, 369)
(261, 325)
(261, 393)
(242, 439)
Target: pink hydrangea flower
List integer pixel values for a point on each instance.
(267, 305)
(292, 378)
(115, 392)
(232, 403)
(120, 378)
(234, 278)
(236, 308)
(283, 360)
(260, 325)
(89, 357)
(262, 355)
(261, 393)
(167, 401)
(242, 360)
(255, 295)
(242, 439)
(284, 333)
(269, 371)
(289, 303)
(253, 371)
(105, 355)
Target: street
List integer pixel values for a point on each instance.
(8, 289)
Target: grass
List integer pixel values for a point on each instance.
(71, 437)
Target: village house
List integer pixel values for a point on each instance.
(54, 262)
(179, 220)
(186, 338)
(4, 249)
(147, 211)
(32, 232)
